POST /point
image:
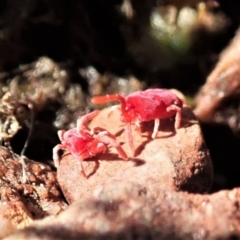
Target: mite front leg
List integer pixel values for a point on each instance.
(81, 122)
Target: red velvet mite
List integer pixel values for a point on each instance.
(142, 106)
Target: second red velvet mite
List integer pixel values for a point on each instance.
(141, 106)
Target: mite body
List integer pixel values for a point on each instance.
(84, 143)
(141, 106)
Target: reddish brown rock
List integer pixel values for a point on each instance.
(133, 212)
(22, 202)
(222, 84)
(13, 212)
(174, 160)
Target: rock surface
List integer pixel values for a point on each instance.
(22, 202)
(130, 212)
(173, 160)
(223, 83)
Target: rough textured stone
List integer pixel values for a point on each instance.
(222, 83)
(13, 212)
(37, 197)
(133, 212)
(173, 160)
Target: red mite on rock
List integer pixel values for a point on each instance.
(142, 106)
(83, 142)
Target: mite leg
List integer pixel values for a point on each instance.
(60, 134)
(138, 126)
(81, 168)
(129, 138)
(81, 122)
(56, 158)
(97, 130)
(108, 139)
(156, 127)
(178, 115)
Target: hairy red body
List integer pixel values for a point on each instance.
(153, 103)
(84, 143)
(81, 144)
